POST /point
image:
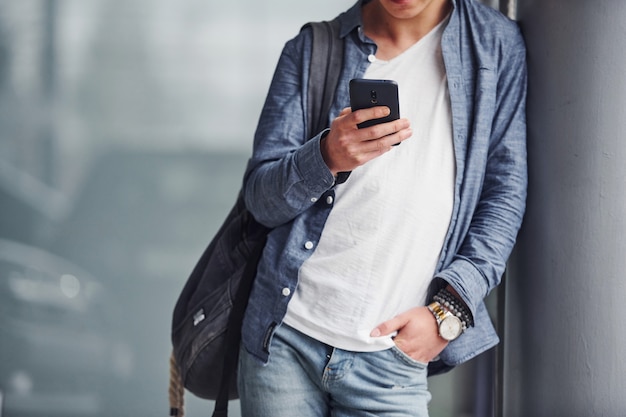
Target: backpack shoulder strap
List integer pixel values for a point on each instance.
(326, 65)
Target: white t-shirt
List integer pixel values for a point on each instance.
(382, 240)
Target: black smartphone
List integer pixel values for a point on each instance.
(366, 93)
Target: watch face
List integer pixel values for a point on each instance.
(450, 328)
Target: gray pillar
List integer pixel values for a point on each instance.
(565, 340)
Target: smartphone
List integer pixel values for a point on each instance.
(366, 93)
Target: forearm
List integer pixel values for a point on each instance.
(480, 260)
(277, 191)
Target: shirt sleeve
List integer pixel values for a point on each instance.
(479, 263)
(287, 172)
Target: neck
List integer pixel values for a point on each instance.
(395, 31)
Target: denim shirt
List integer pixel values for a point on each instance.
(289, 188)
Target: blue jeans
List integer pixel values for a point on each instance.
(307, 378)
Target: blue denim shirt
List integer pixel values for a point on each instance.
(289, 188)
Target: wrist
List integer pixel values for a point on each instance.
(450, 326)
(451, 301)
(326, 154)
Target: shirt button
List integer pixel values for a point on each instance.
(313, 200)
(286, 292)
(371, 58)
(308, 245)
(329, 200)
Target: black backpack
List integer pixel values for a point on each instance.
(207, 318)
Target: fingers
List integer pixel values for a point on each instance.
(390, 326)
(371, 113)
(417, 334)
(346, 110)
(385, 136)
(379, 130)
(376, 139)
(347, 147)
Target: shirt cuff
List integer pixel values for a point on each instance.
(311, 166)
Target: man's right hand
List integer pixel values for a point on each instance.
(347, 147)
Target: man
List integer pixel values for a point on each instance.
(368, 283)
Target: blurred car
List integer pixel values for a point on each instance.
(58, 356)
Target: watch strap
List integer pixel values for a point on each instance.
(438, 311)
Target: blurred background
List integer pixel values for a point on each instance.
(125, 126)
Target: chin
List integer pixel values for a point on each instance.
(403, 9)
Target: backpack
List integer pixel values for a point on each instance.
(207, 317)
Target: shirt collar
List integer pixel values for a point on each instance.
(351, 19)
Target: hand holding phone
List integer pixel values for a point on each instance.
(345, 148)
(366, 93)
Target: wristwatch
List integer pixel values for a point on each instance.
(450, 326)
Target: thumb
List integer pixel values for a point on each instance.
(388, 327)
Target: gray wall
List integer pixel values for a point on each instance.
(565, 331)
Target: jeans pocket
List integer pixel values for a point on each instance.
(406, 359)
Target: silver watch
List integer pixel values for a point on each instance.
(450, 326)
